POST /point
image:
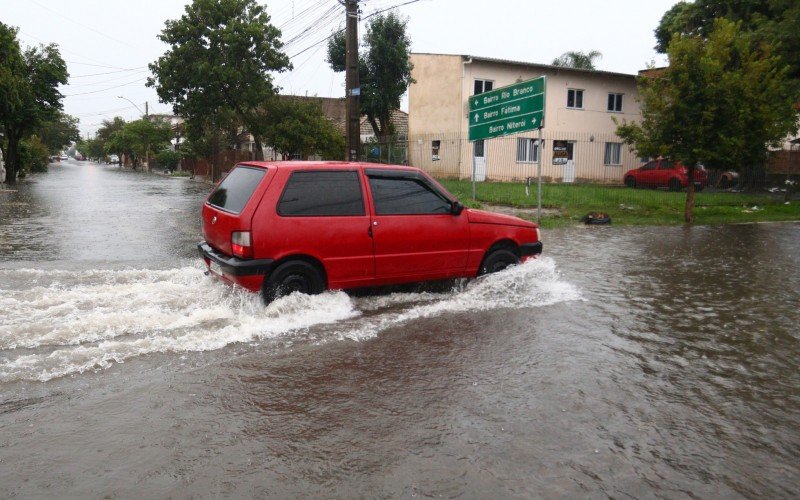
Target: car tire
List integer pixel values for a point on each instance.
(293, 276)
(630, 182)
(700, 187)
(674, 185)
(497, 260)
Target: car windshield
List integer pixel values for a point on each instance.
(236, 189)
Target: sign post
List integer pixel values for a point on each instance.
(508, 110)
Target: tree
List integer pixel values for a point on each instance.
(721, 101)
(298, 126)
(138, 137)
(774, 21)
(105, 133)
(58, 132)
(577, 59)
(221, 53)
(29, 93)
(93, 148)
(384, 69)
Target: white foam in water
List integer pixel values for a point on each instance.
(73, 322)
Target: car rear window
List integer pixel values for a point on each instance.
(322, 193)
(236, 189)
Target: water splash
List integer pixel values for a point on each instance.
(72, 322)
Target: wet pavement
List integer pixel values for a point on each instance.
(643, 362)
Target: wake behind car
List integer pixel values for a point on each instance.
(665, 173)
(283, 227)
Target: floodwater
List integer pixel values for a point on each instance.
(626, 362)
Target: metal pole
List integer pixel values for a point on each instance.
(474, 173)
(539, 175)
(352, 84)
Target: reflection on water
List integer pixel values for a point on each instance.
(627, 362)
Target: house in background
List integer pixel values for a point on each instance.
(580, 106)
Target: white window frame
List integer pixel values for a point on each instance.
(483, 85)
(575, 98)
(529, 148)
(618, 99)
(609, 153)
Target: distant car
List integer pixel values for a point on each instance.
(113, 159)
(64, 157)
(283, 227)
(665, 173)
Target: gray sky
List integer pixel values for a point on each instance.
(108, 43)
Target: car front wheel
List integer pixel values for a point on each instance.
(674, 185)
(497, 260)
(293, 276)
(630, 182)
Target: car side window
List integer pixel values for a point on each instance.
(322, 193)
(666, 165)
(406, 196)
(649, 166)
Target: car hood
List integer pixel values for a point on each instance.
(483, 217)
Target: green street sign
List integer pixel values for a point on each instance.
(507, 110)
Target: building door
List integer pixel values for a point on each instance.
(479, 160)
(569, 167)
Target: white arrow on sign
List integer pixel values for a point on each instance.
(476, 117)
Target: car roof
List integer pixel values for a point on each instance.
(316, 165)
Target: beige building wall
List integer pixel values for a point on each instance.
(438, 109)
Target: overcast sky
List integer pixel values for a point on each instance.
(108, 43)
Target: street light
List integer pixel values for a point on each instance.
(134, 104)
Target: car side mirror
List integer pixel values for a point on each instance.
(456, 208)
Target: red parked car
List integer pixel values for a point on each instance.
(665, 173)
(281, 227)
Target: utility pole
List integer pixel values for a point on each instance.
(352, 84)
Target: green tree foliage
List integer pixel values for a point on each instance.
(776, 22)
(139, 137)
(93, 148)
(718, 102)
(298, 126)
(577, 59)
(29, 93)
(384, 70)
(169, 159)
(104, 133)
(33, 155)
(58, 132)
(218, 64)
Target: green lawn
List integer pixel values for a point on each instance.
(567, 203)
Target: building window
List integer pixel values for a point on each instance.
(527, 150)
(613, 153)
(575, 99)
(615, 103)
(482, 86)
(477, 149)
(435, 150)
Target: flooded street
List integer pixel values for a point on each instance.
(626, 362)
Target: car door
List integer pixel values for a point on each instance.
(647, 174)
(416, 235)
(665, 171)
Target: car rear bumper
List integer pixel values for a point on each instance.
(234, 266)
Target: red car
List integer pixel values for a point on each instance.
(665, 173)
(281, 227)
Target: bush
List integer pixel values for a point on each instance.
(169, 159)
(33, 155)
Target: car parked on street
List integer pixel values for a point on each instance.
(665, 173)
(283, 227)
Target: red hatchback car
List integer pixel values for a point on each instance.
(281, 227)
(665, 173)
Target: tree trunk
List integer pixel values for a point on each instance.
(689, 210)
(259, 150)
(12, 162)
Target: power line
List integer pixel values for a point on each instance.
(81, 24)
(108, 72)
(109, 88)
(103, 82)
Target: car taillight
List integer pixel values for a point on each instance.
(240, 244)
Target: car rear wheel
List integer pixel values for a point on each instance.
(630, 182)
(293, 276)
(497, 260)
(674, 185)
